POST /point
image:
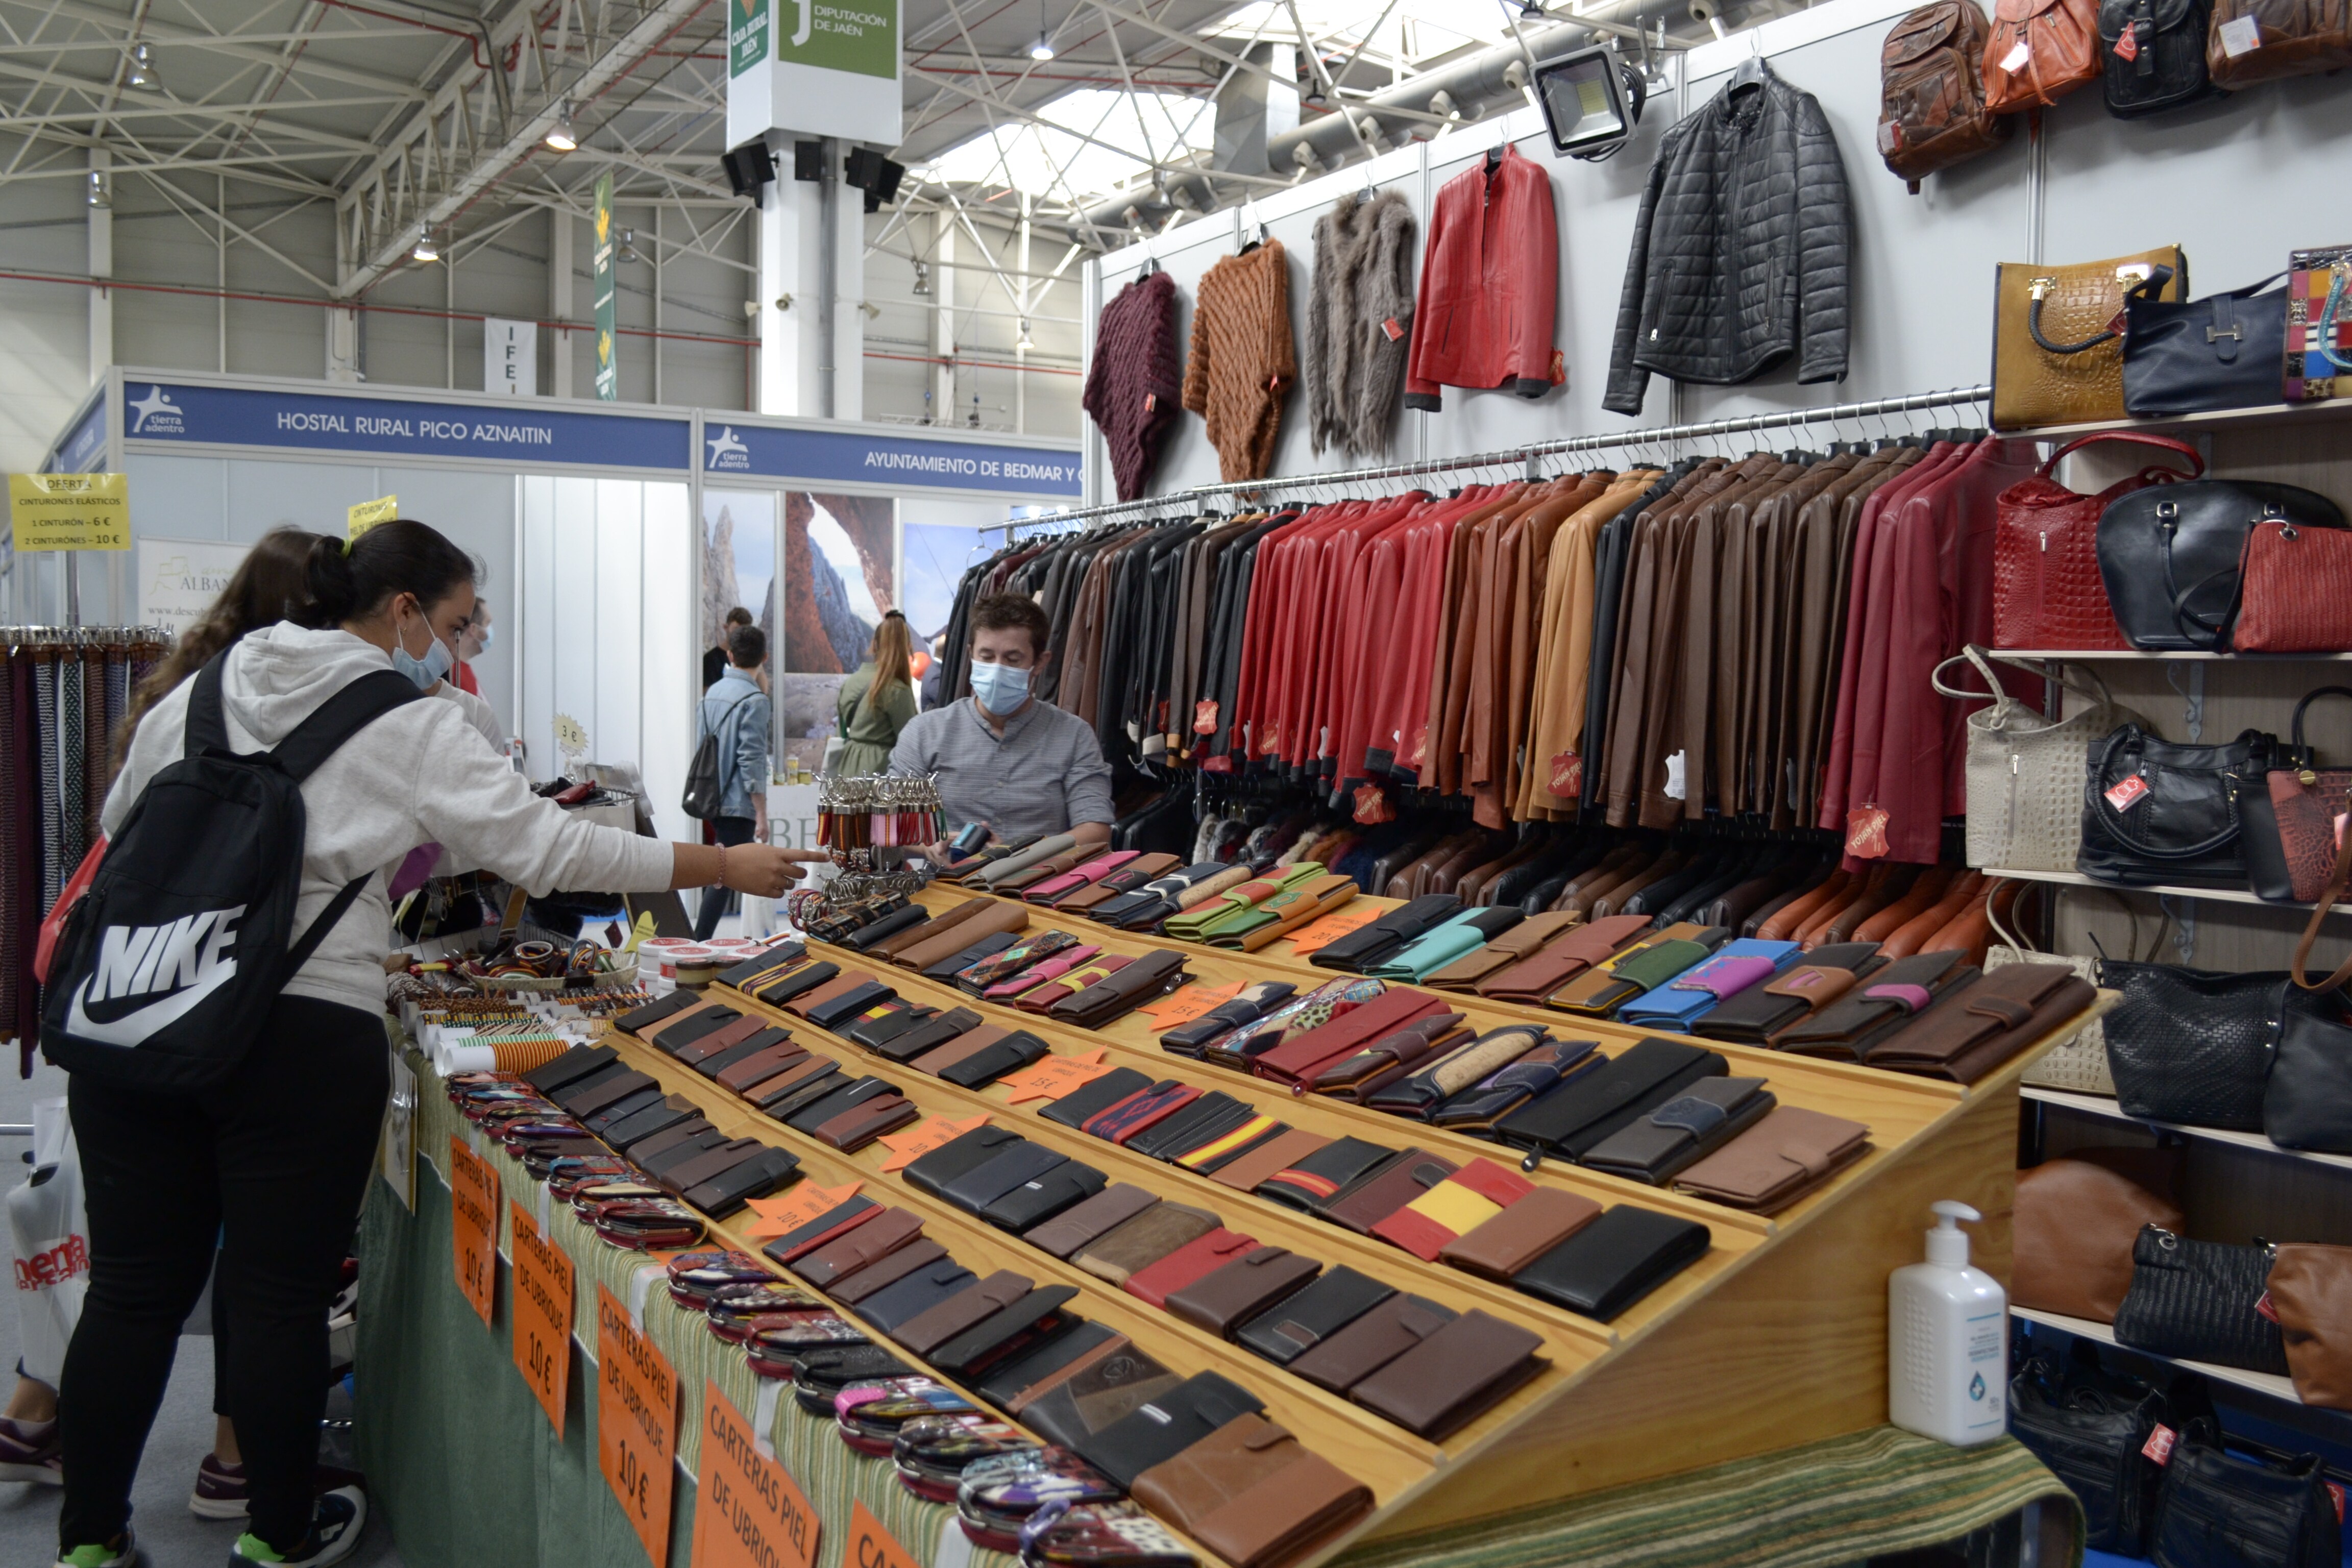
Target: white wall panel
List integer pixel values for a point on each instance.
(533, 616)
(670, 664)
(574, 617)
(615, 731)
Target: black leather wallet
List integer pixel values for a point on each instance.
(1247, 1006)
(1013, 1052)
(1212, 1115)
(841, 1009)
(984, 1184)
(1168, 1424)
(1039, 1199)
(928, 1034)
(1359, 950)
(934, 1171)
(621, 1109)
(589, 1095)
(572, 1067)
(684, 1033)
(755, 1178)
(1588, 1108)
(1697, 1122)
(1323, 1176)
(917, 1293)
(679, 1152)
(1614, 1261)
(872, 1032)
(1034, 1319)
(653, 1012)
(760, 963)
(815, 1113)
(1098, 1394)
(645, 1151)
(1099, 1094)
(798, 982)
(1314, 1314)
(712, 1066)
(986, 947)
(821, 1078)
(821, 1229)
(889, 926)
(660, 1117)
(1032, 1364)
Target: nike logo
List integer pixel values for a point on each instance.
(180, 963)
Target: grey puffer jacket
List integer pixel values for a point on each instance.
(1742, 249)
(1358, 323)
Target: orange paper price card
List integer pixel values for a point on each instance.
(749, 1512)
(542, 1309)
(1054, 1076)
(870, 1545)
(801, 1203)
(474, 1226)
(636, 1423)
(1321, 933)
(1188, 1003)
(926, 1135)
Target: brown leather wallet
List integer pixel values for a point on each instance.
(1225, 1298)
(970, 1043)
(1280, 1152)
(1371, 1342)
(1088, 1219)
(1252, 1494)
(1541, 972)
(868, 1244)
(1118, 1344)
(1779, 1160)
(1365, 1206)
(1119, 991)
(1385, 1060)
(1975, 1031)
(939, 924)
(929, 1330)
(839, 986)
(759, 1067)
(888, 1269)
(999, 916)
(1523, 941)
(1522, 1233)
(1292, 908)
(1451, 1378)
(1144, 1240)
(1584, 991)
(725, 1036)
(852, 1129)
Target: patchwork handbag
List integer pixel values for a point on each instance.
(2318, 346)
(2024, 772)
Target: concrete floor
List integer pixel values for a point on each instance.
(169, 1534)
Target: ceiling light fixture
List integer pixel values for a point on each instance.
(1022, 342)
(427, 249)
(1591, 100)
(143, 70)
(1531, 11)
(98, 197)
(559, 135)
(922, 278)
(628, 250)
(1043, 49)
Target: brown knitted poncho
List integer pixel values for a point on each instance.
(1243, 358)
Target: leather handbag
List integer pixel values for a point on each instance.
(2288, 816)
(2243, 1506)
(2295, 590)
(2057, 348)
(2195, 355)
(2047, 591)
(2038, 52)
(2076, 1224)
(2308, 1101)
(2155, 55)
(2170, 558)
(2157, 815)
(2092, 1428)
(2079, 1064)
(2259, 40)
(2199, 1301)
(2190, 1045)
(2318, 337)
(2311, 1291)
(2024, 772)
(1932, 111)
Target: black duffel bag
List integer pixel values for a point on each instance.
(2159, 815)
(2221, 352)
(2190, 1045)
(2169, 555)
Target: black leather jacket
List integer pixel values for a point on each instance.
(1741, 253)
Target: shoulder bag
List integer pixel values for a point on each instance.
(1932, 111)
(2295, 590)
(2155, 813)
(2287, 818)
(2199, 1301)
(2245, 1505)
(2080, 1064)
(2039, 51)
(2262, 40)
(2047, 591)
(2057, 348)
(2170, 558)
(2307, 1102)
(2318, 336)
(2091, 1429)
(2311, 1291)
(2192, 356)
(2024, 772)
(2190, 1045)
(2155, 55)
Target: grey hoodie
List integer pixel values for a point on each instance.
(424, 772)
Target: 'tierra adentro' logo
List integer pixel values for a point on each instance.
(157, 415)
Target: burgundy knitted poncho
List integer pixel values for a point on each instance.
(1133, 386)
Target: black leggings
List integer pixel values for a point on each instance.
(272, 1163)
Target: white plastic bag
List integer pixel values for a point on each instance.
(52, 1243)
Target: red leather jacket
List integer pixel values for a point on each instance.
(1489, 284)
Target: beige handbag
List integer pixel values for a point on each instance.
(2025, 773)
(2080, 1064)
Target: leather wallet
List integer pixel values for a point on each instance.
(984, 1184)
(906, 1299)
(595, 1092)
(762, 1065)
(880, 1025)
(1004, 965)
(969, 1044)
(1360, 949)
(1886, 1001)
(711, 1162)
(993, 872)
(1238, 1048)
(1084, 874)
(1462, 1202)
(1521, 941)
(1299, 1322)
(1252, 1494)
(786, 1104)
(1089, 1219)
(1523, 1232)
(939, 925)
(676, 1138)
(1813, 982)
(673, 1034)
(1573, 1117)
(1695, 1123)
(1144, 1240)
(572, 1067)
(621, 1109)
(756, 1177)
(594, 1078)
(1094, 1096)
(1373, 1338)
(795, 1077)
(1044, 971)
(1976, 1028)
(833, 1012)
(981, 1067)
(941, 1321)
(959, 1156)
(800, 982)
(636, 1021)
(1143, 868)
(982, 937)
(1195, 1259)
(855, 1129)
(1246, 1007)
(815, 1113)
(1316, 1179)
(1007, 1379)
(1465, 932)
(840, 985)
(1232, 1142)
(1615, 1262)
(1225, 1298)
(1296, 906)
(1155, 974)
(1040, 1198)
(866, 938)
(656, 1162)
(748, 976)
(888, 1269)
(1390, 1058)
(734, 1032)
(1167, 1425)
(1156, 893)
(1597, 990)
(1449, 1379)
(1018, 1326)
(1005, 884)
(1141, 1110)
(869, 1242)
(1398, 1182)
(1779, 1160)
(1499, 1093)
(1246, 1170)
(834, 1222)
(1095, 1394)
(1210, 1115)
(1300, 1056)
(660, 1117)
(750, 1045)
(1043, 997)
(1562, 959)
(928, 1035)
(1734, 967)
(1441, 1077)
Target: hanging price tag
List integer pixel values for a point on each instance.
(1865, 832)
(542, 1309)
(2126, 795)
(1204, 717)
(1392, 328)
(474, 1227)
(803, 1203)
(1567, 775)
(636, 1423)
(2014, 62)
(2127, 46)
(920, 1139)
(2158, 1446)
(2263, 1307)
(1187, 1003)
(1054, 1076)
(1321, 933)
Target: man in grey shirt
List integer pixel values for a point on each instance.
(1003, 757)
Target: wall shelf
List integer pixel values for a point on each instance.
(2260, 418)
(2154, 656)
(2101, 1106)
(2224, 895)
(2259, 1382)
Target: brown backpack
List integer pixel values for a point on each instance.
(2040, 51)
(1932, 111)
(2250, 41)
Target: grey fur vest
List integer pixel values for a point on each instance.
(1353, 362)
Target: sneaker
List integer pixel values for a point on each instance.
(221, 1491)
(335, 1526)
(125, 1555)
(30, 1451)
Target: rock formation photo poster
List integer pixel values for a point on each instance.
(839, 577)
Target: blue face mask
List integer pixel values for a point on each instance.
(485, 634)
(426, 671)
(1000, 688)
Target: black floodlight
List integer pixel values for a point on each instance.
(1592, 100)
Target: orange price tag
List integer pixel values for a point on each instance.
(542, 1309)
(1321, 933)
(870, 1545)
(801, 1203)
(923, 1137)
(1054, 1076)
(636, 1423)
(1187, 1002)
(749, 1512)
(474, 1226)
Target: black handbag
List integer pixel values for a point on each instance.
(2091, 1429)
(2221, 352)
(2307, 1103)
(2154, 52)
(2168, 556)
(2190, 1045)
(2160, 815)
(2258, 1506)
(2196, 1300)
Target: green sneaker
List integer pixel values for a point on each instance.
(119, 1556)
(336, 1523)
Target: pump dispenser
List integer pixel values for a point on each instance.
(1947, 1340)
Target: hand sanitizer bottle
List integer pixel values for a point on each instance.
(1948, 1341)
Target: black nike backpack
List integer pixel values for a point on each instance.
(169, 965)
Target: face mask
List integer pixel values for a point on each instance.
(1000, 688)
(426, 671)
(486, 636)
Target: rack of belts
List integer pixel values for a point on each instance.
(1526, 460)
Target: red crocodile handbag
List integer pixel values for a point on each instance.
(2047, 592)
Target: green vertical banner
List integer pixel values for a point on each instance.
(747, 35)
(608, 378)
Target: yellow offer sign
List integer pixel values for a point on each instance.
(70, 511)
(358, 519)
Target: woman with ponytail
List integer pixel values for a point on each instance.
(273, 1160)
(876, 702)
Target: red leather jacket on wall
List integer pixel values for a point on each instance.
(1489, 283)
